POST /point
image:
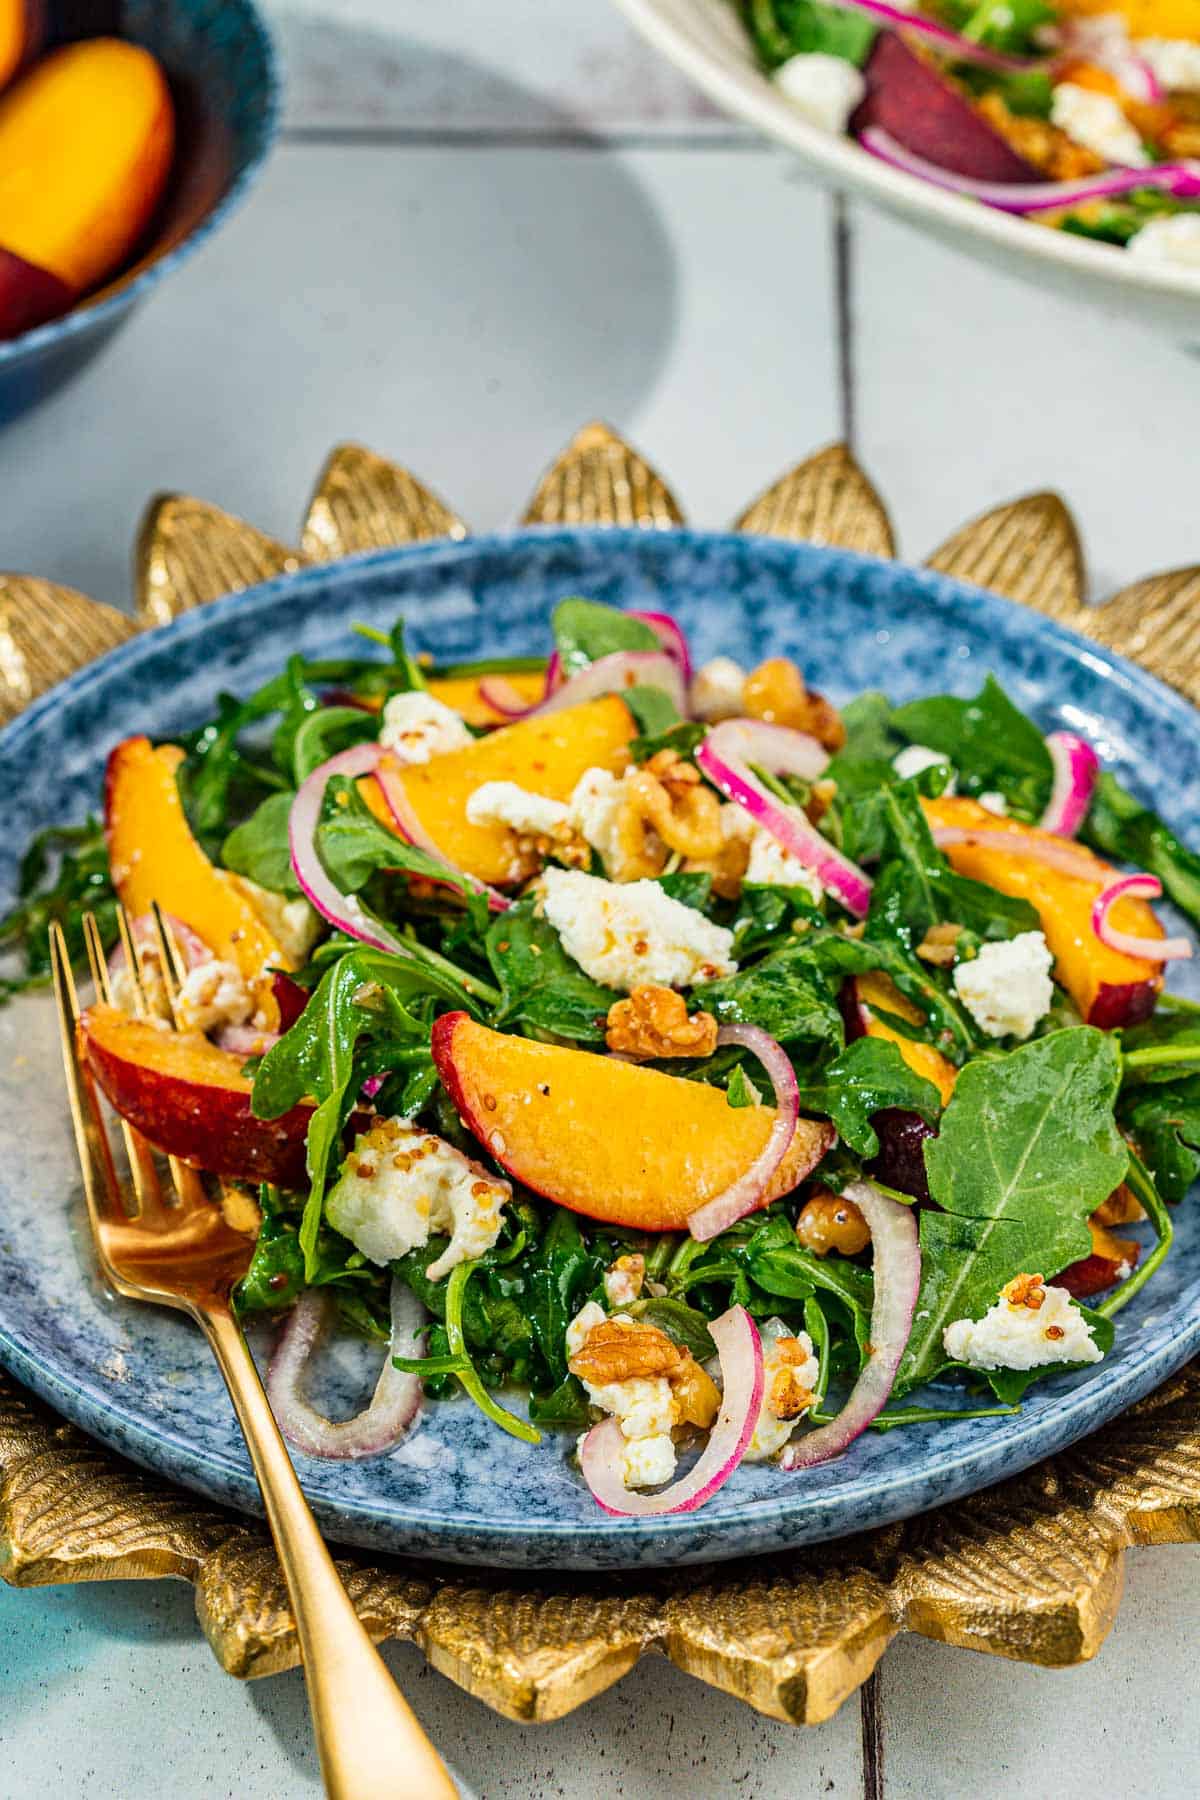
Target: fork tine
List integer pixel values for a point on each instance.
(101, 1187)
(146, 1185)
(133, 963)
(170, 958)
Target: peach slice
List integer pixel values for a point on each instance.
(86, 144)
(190, 1099)
(1109, 989)
(546, 755)
(1092, 1274)
(462, 693)
(153, 856)
(874, 989)
(611, 1140)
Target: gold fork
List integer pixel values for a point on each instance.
(177, 1250)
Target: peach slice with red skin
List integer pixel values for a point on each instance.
(191, 1099)
(616, 1142)
(1092, 1274)
(1109, 988)
(546, 755)
(153, 856)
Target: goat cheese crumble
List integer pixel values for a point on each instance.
(1007, 987)
(1174, 240)
(400, 1183)
(790, 1376)
(1016, 1336)
(643, 1406)
(1174, 62)
(632, 934)
(211, 995)
(824, 89)
(416, 727)
(914, 759)
(717, 688)
(506, 803)
(1097, 122)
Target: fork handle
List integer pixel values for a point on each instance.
(370, 1743)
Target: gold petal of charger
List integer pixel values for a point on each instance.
(1031, 1569)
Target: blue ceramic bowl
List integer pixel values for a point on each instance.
(143, 1380)
(224, 79)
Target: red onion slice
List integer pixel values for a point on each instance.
(501, 695)
(1140, 887)
(744, 1194)
(1076, 767)
(623, 669)
(1065, 858)
(394, 1404)
(671, 636)
(1182, 179)
(409, 826)
(739, 1348)
(340, 910)
(725, 756)
(960, 49)
(897, 1280)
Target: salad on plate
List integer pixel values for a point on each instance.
(689, 1071)
(1080, 115)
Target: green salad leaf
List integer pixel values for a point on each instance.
(541, 987)
(1028, 1149)
(586, 630)
(259, 848)
(869, 1076)
(991, 744)
(784, 993)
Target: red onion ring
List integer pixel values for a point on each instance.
(409, 827)
(897, 1281)
(1182, 179)
(394, 1404)
(725, 756)
(1076, 767)
(609, 674)
(1141, 887)
(671, 636)
(739, 1348)
(1066, 859)
(501, 695)
(744, 1194)
(340, 910)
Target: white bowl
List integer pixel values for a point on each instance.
(705, 39)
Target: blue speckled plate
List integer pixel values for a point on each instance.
(144, 1382)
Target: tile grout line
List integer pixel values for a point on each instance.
(843, 263)
(515, 137)
(870, 1705)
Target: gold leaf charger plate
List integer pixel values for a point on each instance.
(1029, 1569)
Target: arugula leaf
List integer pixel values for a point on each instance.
(81, 883)
(586, 630)
(541, 987)
(354, 846)
(259, 849)
(277, 1274)
(683, 736)
(684, 1324)
(783, 993)
(766, 915)
(1028, 1149)
(1164, 1122)
(557, 1284)
(869, 1075)
(321, 734)
(316, 1059)
(1121, 827)
(785, 28)
(992, 745)
(654, 712)
(689, 886)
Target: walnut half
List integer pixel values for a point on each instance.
(654, 1023)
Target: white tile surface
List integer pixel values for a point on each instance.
(1125, 1725)
(476, 66)
(94, 1677)
(464, 311)
(972, 387)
